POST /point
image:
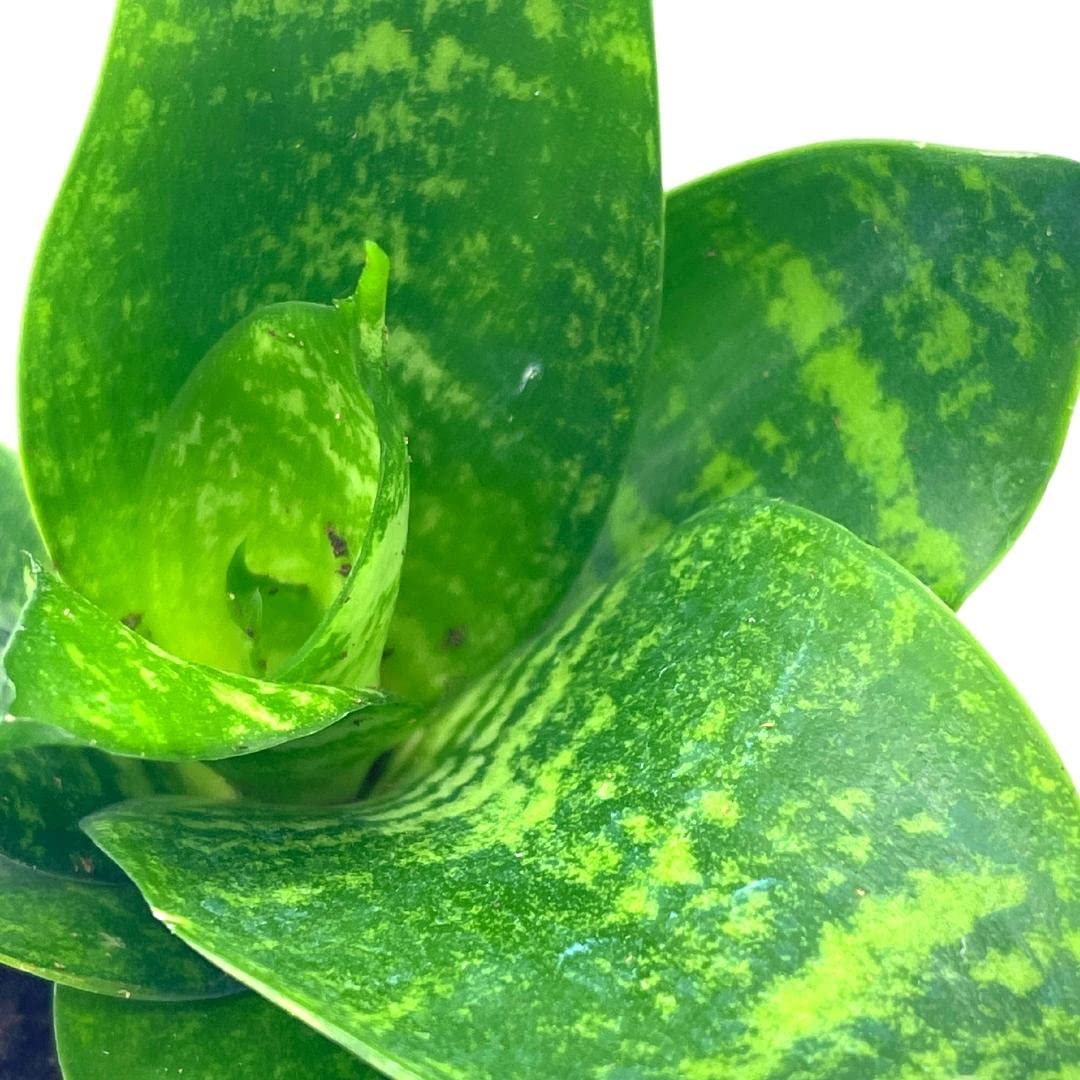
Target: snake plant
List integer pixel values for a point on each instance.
(479, 617)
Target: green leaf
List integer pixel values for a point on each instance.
(761, 808)
(18, 534)
(237, 155)
(237, 1038)
(67, 912)
(96, 936)
(886, 333)
(87, 675)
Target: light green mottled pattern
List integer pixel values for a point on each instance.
(761, 808)
(238, 154)
(275, 503)
(887, 333)
(76, 669)
(18, 534)
(236, 1038)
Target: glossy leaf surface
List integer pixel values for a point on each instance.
(236, 1038)
(761, 808)
(887, 333)
(76, 669)
(250, 148)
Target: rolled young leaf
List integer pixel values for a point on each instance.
(276, 501)
(238, 154)
(884, 332)
(760, 808)
(91, 678)
(236, 1038)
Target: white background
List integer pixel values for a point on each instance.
(736, 81)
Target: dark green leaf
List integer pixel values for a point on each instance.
(761, 808)
(237, 1038)
(66, 911)
(96, 936)
(887, 333)
(46, 790)
(238, 154)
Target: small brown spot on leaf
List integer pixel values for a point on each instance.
(132, 620)
(456, 636)
(345, 569)
(338, 544)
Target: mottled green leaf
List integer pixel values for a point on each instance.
(761, 808)
(237, 154)
(82, 672)
(236, 1038)
(67, 912)
(887, 333)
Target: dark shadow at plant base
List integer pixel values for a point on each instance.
(26, 1039)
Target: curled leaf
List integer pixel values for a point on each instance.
(92, 679)
(275, 506)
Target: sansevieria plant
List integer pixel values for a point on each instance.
(667, 758)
